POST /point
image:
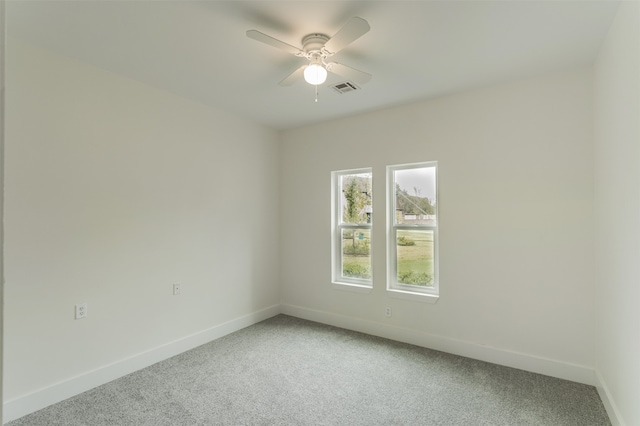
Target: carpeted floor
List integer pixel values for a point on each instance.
(288, 371)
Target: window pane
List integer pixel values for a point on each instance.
(356, 203)
(356, 253)
(415, 257)
(415, 196)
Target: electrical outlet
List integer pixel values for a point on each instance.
(387, 311)
(81, 311)
(176, 289)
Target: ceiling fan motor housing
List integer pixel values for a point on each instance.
(314, 42)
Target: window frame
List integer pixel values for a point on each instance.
(400, 290)
(337, 227)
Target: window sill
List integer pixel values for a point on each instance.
(410, 295)
(354, 288)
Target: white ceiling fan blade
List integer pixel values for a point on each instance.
(352, 30)
(262, 37)
(291, 78)
(357, 76)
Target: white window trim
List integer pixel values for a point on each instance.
(403, 291)
(339, 282)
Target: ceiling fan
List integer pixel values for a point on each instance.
(316, 48)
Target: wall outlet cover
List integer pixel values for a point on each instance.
(81, 310)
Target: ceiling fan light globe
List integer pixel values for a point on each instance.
(315, 74)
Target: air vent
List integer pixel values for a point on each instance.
(345, 87)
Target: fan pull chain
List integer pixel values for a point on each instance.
(316, 93)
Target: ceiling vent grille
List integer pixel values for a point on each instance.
(345, 87)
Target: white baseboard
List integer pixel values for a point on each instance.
(34, 401)
(532, 363)
(608, 401)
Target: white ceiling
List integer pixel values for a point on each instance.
(415, 49)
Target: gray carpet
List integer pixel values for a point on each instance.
(288, 371)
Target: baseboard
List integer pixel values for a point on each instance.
(34, 401)
(608, 401)
(532, 363)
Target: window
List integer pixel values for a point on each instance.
(412, 237)
(351, 222)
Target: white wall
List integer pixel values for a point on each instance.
(2, 43)
(114, 191)
(617, 215)
(516, 202)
